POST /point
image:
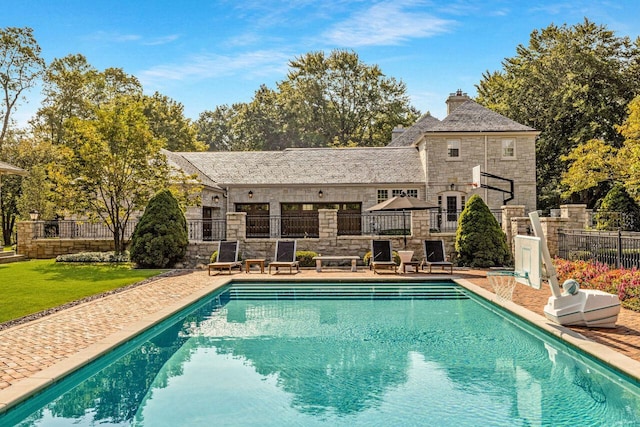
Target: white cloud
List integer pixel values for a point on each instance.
(114, 37)
(249, 64)
(161, 40)
(387, 23)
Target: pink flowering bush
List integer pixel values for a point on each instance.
(623, 282)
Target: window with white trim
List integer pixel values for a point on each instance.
(509, 148)
(453, 149)
(383, 195)
(412, 192)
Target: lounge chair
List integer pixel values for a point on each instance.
(285, 256)
(434, 255)
(382, 256)
(227, 257)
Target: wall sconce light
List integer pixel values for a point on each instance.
(452, 186)
(216, 199)
(320, 194)
(34, 215)
(250, 194)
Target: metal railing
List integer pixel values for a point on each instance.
(207, 230)
(374, 224)
(199, 230)
(447, 220)
(262, 226)
(614, 248)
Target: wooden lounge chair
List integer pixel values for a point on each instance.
(382, 256)
(227, 257)
(434, 255)
(285, 256)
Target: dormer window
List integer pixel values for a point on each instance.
(453, 149)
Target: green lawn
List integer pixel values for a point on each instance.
(32, 286)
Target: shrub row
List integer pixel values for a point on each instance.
(94, 257)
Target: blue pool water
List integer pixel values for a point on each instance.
(339, 355)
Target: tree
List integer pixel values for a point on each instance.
(480, 242)
(596, 164)
(618, 210)
(591, 166)
(572, 84)
(326, 100)
(20, 69)
(115, 162)
(160, 238)
(167, 122)
(72, 88)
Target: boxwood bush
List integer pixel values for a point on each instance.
(480, 242)
(160, 238)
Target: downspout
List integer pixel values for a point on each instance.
(486, 164)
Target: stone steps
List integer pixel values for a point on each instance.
(11, 256)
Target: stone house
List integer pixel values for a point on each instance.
(431, 160)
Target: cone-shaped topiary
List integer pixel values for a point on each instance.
(480, 242)
(618, 210)
(160, 238)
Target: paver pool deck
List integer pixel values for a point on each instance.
(37, 353)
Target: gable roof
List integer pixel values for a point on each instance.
(473, 117)
(412, 133)
(307, 166)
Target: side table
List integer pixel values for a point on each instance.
(254, 261)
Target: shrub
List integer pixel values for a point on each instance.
(110, 257)
(480, 242)
(305, 258)
(367, 257)
(160, 238)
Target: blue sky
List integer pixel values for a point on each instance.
(208, 53)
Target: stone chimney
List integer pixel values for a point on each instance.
(397, 131)
(455, 100)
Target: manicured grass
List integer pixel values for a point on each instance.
(32, 286)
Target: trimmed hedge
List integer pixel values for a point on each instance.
(95, 257)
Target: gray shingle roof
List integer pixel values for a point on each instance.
(473, 117)
(178, 161)
(309, 166)
(411, 134)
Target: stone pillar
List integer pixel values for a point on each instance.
(237, 226)
(577, 215)
(328, 223)
(26, 245)
(550, 228)
(420, 224)
(509, 212)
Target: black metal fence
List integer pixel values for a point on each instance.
(199, 230)
(447, 220)
(614, 248)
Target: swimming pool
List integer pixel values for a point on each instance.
(343, 354)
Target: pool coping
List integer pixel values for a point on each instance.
(37, 382)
